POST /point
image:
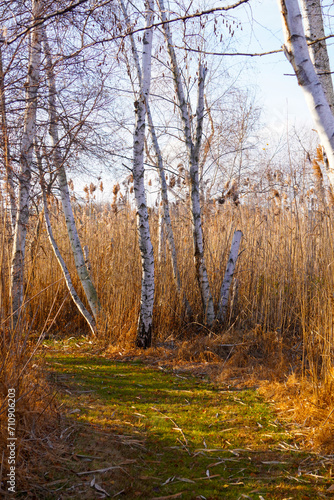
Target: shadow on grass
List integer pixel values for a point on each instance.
(170, 435)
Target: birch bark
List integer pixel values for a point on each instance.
(24, 179)
(55, 248)
(165, 223)
(73, 235)
(296, 51)
(5, 144)
(231, 263)
(314, 30)
(193, 149)
(162, 236)
(144, 329)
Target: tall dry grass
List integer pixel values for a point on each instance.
(284, 274)
(283, 285)
(36, 425)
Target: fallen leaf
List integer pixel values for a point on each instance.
(207, 477)
(273, 462)
(185, 480)
(100, 489)
(98, 470)
(87, 456)
(169, 480)
(177, 495)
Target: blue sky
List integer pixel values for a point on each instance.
(283, 103)
(280, 95)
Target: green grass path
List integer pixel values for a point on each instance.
(155, 434)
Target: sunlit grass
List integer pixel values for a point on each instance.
(188, 435)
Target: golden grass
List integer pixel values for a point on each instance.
(284, 275)
(279, 321)
(36, 427)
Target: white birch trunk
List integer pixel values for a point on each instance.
(79, 258)
(86, 254)
(162, 237)
(57, 253)
(225, 288)
(165, 224)
(314, 30)
(193, 154)
(8, 167)
(144, 329)
(29, 128)
(296, 51)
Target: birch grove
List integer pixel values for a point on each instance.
(185, 148)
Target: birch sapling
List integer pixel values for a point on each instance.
(193, 149)
(73, 235)
(144, 328)
(230, 267)
(296, 51)
(165, 223)
(56, 251)
(26, 157)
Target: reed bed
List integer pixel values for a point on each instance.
(283, 281)
(281, 309)
(34, 419)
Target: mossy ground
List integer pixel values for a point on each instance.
(162, 435)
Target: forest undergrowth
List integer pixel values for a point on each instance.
(277, 336)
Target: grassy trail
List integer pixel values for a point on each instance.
(153, 434)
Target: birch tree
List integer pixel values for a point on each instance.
(55, 248)
(315, 34)
(297, 53)
(193, 150)
(230, 267)
(144, 329)
(165, 223)
(79, 258)
(5, 145)
(26, 156)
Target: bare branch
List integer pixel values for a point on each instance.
(137, 30)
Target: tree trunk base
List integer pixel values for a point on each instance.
(144, 338)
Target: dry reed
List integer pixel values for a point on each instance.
(280, 313)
